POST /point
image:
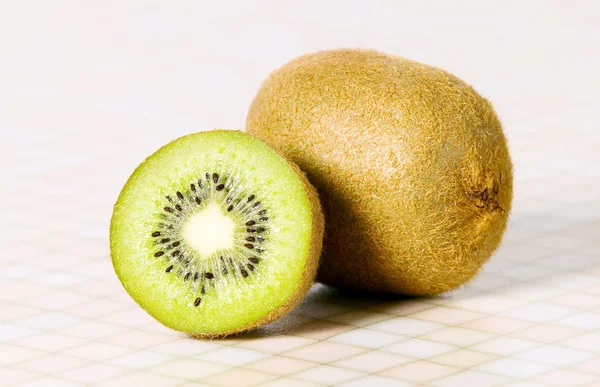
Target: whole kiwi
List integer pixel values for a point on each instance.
(411, 164)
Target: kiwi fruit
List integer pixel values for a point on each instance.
(411, 163)
(216, 233)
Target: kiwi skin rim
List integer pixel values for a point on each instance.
(309, 272)
(310, 268)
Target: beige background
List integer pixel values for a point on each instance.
(90, 88)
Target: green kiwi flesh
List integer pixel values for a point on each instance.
(216, 233)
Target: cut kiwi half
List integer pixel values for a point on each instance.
(216, 233)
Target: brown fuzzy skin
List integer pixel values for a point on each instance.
(310, 269)
(411, 163)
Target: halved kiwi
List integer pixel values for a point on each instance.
(216, 233)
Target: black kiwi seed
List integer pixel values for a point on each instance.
(249, 246)
(250, 230)
(169, 269)
(229, 208)
(260, 249)
(256, 204)
(260, 239)
(244, 273)
(253, 259)
(220, 187)
(175, 253)
(250, 198)
(178, 207)
(175, 244)
(262, 212)
(215, 178)
(250, 266)
(224, 268)
(250, 223)
(165, 240)
(209, 275)
(168, 209)
(203, 291)
(196, 276)
(197, 199)
(197, 302)
(251, 239)
(179, 195)
(156, 233)
(169, 198)
(200, 185)
(187, 276)
(263, 219)
(159, 254)
(193, 187)
(260, 229)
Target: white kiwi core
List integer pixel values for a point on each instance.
(209, 230)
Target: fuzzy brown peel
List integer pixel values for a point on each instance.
(411, 163)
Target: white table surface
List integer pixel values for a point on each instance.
(88, 89)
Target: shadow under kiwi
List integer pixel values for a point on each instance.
(314, 316)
